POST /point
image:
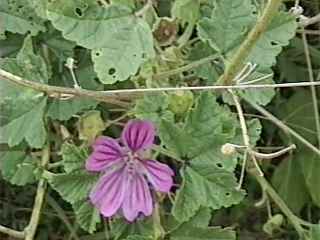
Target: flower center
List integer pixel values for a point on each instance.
(132, 160)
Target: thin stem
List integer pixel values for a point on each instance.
(55, 206)
(182, 41)
(11, 232)
(106, 229)
(186, 67)
(115, 96)
(144, 9)
(249, 43)
(313, 89)
(312, 20)
(274, 154)
(245, 134)
(243, 170)
(31, 229)
(253, 167)
(283, 126)
(311, 32)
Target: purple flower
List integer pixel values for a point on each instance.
(125, 186)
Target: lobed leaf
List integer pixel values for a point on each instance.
(120, 42)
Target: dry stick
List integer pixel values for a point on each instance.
(310, 32)
(313, 89)
(243, 52)
(312, 20)
(31, 229)
(54, 91)
(11, 232)
(113, 96)
(259, 177)
(283, 126)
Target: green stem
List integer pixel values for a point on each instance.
(11, 232)
(186, 67)
(243, 52)
(186, 35)
(283, 126)
(280, 203)
(55, 206)
(31, 229)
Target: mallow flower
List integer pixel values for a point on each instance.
(128, 179)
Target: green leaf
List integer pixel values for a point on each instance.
(17, 167)
(18, 16)
(154, 108)
(180, 102)
(254, 128)
(281, 29)
(259, 96)
(73, 157)
(229, 22)
(186, 10)
(27, 64)
(206, 71)
(23, 110)
(187, 232)
(90, 125)
(65, 109)
(120, 229)
(201, 219)
(28, 125)
(208, 125)
(138, 237)
(290, 184)
(205, 185)
(87, 216)
(297, 112)
(127, 40)
(310, 164)
(73, 187)
(315, 232)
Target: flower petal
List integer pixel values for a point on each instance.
(138, 199)
(109, 192)
(159, 175)
(106, 151)
(138, 135)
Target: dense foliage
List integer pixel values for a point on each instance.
(219, 193)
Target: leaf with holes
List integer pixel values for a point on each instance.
(17, 167)
(205, 185)
(18, 16)
(281, 29)
(120, 41)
